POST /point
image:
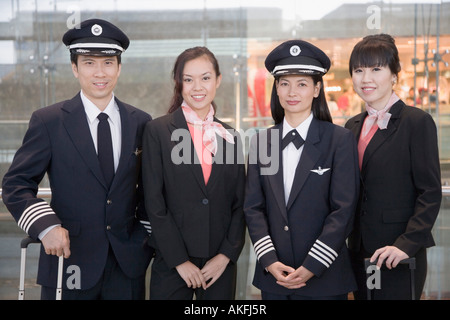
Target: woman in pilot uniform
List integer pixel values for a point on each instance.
(302, 185)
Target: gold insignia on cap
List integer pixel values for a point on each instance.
(96, 30)
(295, 51)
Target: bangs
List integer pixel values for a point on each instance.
(375, 51)
(368, 57)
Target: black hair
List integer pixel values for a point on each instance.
(377, 50)
(74, 58)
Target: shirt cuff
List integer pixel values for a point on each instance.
(45, 231)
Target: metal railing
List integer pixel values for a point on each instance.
(46, 193)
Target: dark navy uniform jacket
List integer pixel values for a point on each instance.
(311, 229)
(58, 142)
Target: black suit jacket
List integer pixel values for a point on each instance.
(58, 142)
(311, 229)
(400, 183)
(189, 218)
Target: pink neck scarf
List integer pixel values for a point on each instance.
(210, 127)
(381, 117)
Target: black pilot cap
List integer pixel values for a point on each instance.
(297, 57)
(96, 37)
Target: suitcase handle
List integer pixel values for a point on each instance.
(412, 266)
(410, 261)
(24, 245)
(27, 241)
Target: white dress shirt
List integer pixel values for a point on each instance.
(112, 110)
(291, 155)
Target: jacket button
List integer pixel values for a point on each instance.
(108, 201)
(286, 228)
(205, 201)
(108, 227)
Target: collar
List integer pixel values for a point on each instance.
(92, 111)
(302, 128)
(392, 100)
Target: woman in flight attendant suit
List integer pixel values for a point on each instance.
(299, 216)
(400, 174)
(194, 178)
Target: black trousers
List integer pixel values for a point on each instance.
(395, 283)
(113, 285)
(167, 284)
(272, 296)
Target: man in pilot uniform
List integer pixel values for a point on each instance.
(96, 217)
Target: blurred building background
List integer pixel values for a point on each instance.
(35, 72)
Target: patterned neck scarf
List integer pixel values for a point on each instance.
(381, 117)
(209, 126)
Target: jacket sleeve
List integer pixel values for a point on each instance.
(165, 234)
(425, 169)
(20, 184)
(343, 197)
(255, 210)
(141, 213)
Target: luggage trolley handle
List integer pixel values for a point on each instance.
(411, 262)
(24, 245)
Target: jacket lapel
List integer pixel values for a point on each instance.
(276, 180)
(179, 122)
(310, 155)
(77, 127)
(381, 136)
(129, 127)
(358, 123)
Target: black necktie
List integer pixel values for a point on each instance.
(292, 136)
(104, 148)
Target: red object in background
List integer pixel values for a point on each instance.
(260, 92)
(343, 102)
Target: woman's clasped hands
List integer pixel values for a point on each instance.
(205, 277)
(289, 277)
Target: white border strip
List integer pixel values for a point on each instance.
(262, 246)
(95, 45)
(34, 213)
(298, 66)
(323, 253)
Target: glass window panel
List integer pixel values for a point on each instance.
(35, 67)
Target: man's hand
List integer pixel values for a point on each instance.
(56, 242)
